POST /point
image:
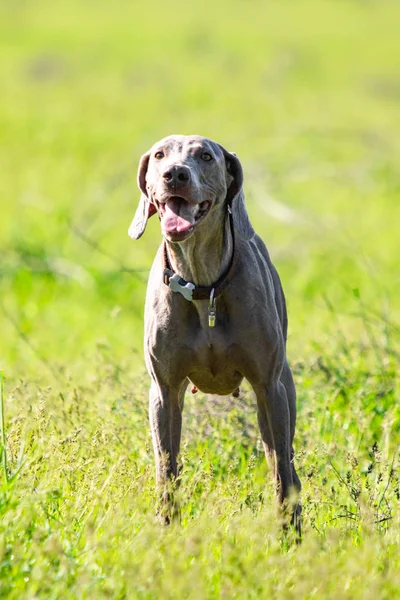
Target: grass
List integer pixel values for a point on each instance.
(307, 95)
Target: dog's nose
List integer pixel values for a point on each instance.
(177, 176)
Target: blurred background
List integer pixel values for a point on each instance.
(306, 93)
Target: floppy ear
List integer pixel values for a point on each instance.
(235, 197)
(145, 209)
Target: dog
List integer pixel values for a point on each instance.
(215, 310)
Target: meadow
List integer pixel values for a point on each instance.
(307, 94)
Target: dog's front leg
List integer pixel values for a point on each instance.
(275, 427)
(165, 412)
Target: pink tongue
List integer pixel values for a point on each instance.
(173, 222)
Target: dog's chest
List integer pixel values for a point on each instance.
(211, 363)
(181, 344)
(213, 371)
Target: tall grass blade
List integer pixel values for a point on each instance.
(3, 432)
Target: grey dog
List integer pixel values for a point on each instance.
(215, 309)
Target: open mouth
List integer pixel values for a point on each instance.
(179, 217)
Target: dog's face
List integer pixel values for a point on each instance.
(184, 179)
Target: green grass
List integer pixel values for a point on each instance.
(307, 95)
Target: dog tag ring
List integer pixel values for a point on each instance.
(212, 312)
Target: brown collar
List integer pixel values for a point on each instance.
(198, 292)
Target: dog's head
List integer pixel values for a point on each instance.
(185, 179)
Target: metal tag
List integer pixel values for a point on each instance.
(212, 315)
(186, 290)
(212, 311)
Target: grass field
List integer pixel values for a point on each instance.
(307, 94)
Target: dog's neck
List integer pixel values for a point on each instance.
(207, 254)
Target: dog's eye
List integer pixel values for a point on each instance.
(159, 155)
(206, 156)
